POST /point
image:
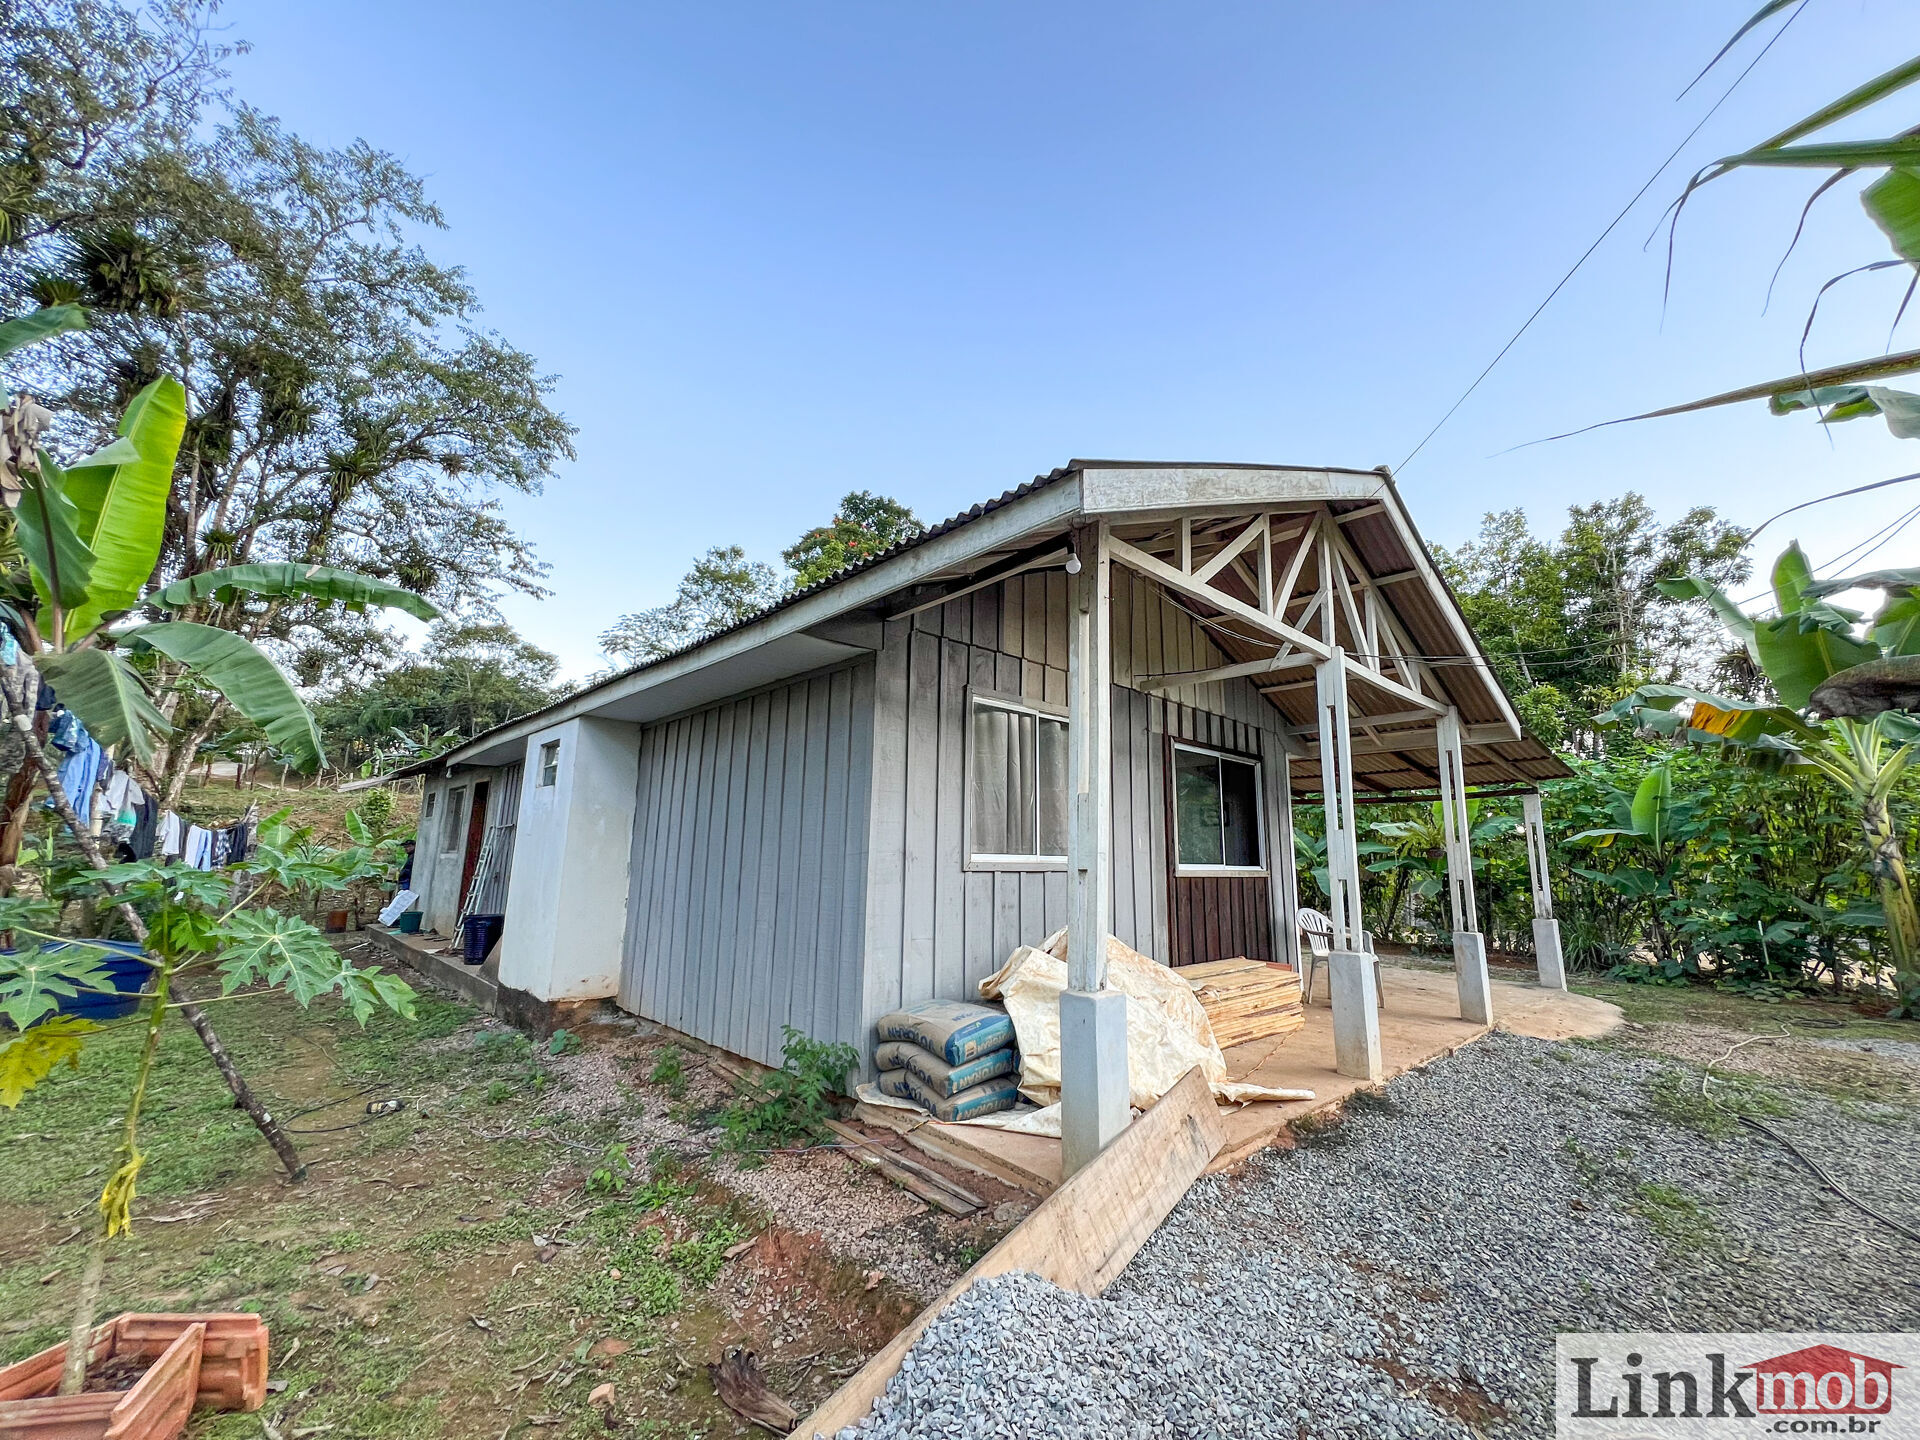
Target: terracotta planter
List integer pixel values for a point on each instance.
(336, 921)
(216, 1360)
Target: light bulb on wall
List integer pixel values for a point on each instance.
(1073, 563)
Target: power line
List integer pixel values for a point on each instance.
(1612, 225)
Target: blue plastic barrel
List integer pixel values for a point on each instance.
(126, 972)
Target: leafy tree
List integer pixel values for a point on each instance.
(722, 589)
(342, 408)
(468, 678)
(867, 525)
(1571, 623)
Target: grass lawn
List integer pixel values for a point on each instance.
(449, 1270)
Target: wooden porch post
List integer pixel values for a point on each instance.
(1547, 955)
(1469, 946)
(1356, 1011)
(1284, 887)
(1093, 1019)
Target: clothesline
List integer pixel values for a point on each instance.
(121, 812)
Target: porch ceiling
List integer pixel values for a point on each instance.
(1265, 539)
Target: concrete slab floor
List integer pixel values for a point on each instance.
(1419, 1022)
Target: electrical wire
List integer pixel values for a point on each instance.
(1612, 225)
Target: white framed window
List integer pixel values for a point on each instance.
(549, 765)
(450, 831)
(1016, 785)
(1217, 813)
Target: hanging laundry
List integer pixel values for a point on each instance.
(222, 847)
(198, 849)
(146, 827)
(171, 837)
(79, 772)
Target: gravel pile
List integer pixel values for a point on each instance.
(1405, 1272)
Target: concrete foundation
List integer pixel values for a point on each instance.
(1470, 974)
(1546, 950)
(1093, 1073)
(1356, 1014)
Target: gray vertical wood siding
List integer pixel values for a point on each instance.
(748, 893)
(936, 927)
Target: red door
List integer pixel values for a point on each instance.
(476, 837)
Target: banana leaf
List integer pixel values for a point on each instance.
(1736, 620)
(318, 582)
(1797, 658)
(251, 682)
(42, 324)
(47, 528)
(120, 496)
(1893, 201)
(1871, 580)
(109, 697)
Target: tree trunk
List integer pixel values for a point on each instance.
(1887, 863)
(180, 758)
(19, 806)
(243, 1095)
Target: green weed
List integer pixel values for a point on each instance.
(794, 1102)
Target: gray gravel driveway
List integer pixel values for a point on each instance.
(1404, 1272)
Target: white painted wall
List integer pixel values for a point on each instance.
(567, 899)
(439, 847)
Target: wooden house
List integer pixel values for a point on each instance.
(1092, 702)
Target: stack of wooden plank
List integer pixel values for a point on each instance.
(1246, 999)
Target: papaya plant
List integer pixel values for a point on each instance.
(196, 923)
(1812, 652)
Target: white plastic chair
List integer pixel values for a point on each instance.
(1316, 935)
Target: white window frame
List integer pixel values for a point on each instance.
(547, 775)
(1018, 705)
(1259, 807)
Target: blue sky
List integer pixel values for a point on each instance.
(776, 252)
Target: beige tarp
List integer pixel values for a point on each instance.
(1167, 1028)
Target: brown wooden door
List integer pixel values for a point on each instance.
(476, 837)
(1215, 916)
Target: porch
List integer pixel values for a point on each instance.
(1420, 1022)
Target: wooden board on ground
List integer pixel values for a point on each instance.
(1247, 999)
(1080, 1237)
(1026, 1162)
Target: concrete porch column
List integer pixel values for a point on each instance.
(1356, 1009)
(1093, 1019)
(1469, 946)
(1547, 955)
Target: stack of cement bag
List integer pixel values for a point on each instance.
(954, 1059)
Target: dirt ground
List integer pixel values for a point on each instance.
(532, 1225)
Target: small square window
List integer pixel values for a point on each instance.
(427, 812)
(549, 764)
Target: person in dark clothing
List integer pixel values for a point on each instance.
(406, 865)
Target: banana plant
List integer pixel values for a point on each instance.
(1651, 821)
(92, 535)
(1825, 716)
(1414, 852)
